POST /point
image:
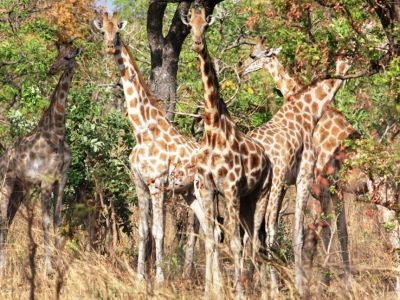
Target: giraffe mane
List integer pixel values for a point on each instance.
(153, 100)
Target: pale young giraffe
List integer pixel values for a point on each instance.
(40, 158)
(162, 160)
(327, 140)
(287, 139)
(229, 163)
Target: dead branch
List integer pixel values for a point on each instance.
(352, 76)
(187, 114)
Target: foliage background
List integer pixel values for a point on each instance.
(100, 193)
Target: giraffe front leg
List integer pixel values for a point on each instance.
(326, 232)
(143, 195)
(46, 205)
(343, 237)
(157, 200)
(205, 197)
(59, 194)
(272, 224)
(233, 229)
(259, 216)
(193, 227)
(5, 193)
(303, 183)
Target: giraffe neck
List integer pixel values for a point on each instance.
(283, 81)
(144, 112)
(321, 94)
(214, 106)
(53, 118)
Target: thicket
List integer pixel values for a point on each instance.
(310, 33)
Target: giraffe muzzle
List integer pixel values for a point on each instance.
(197, 45)
(110, 49)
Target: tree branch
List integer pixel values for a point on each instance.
(352, 76)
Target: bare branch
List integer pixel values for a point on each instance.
(352, 76)
(186, 114)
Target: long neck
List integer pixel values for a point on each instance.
(214, 107)
(143, 109)
(320, 95)
(283, 81)
(54, 117)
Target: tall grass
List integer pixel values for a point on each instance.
(84, 274)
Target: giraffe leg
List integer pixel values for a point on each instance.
(15, 202)
(143, 195)
(343, 237)
(271, 222)
(157, 200)
(246, 239)
(213, 282)
(259, 216)
(326, 232)
(233, 228)
(6, 190)
(191, 242)
(46, 205)
(59, 193)
(303, 183)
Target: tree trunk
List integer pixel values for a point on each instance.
(165, 50)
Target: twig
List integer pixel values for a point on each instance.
(352, 76)
(186, 114)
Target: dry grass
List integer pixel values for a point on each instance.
(84, 274)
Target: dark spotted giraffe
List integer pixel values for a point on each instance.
(40, 159)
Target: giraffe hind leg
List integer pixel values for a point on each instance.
(6, 191)
(46, 207)
(157, 200)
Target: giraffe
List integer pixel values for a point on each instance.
(40, 158)
(287, 139)
(229, 163)
(162, 160)
(327, 140)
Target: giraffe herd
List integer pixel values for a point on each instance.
(301, 145)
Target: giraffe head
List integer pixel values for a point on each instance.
(65, 58)
(343, 64)
(259, 57)
(110, 27)
(198, 22)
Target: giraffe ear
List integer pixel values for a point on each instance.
(185, 19)
(276, 51)
(210, 20)
(122, 25)
(98, 24)
(74, 54)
